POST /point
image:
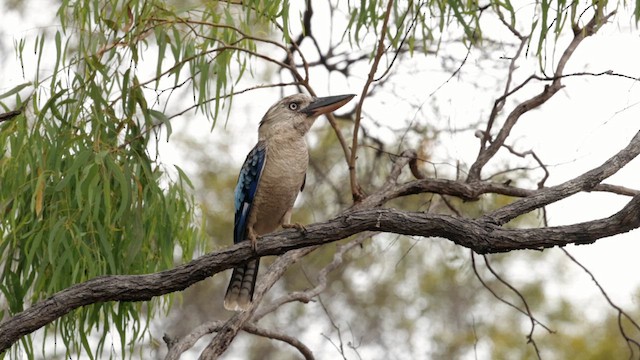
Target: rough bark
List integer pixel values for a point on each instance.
(482, 236)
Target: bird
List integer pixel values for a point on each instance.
(270, 179)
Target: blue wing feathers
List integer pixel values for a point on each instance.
(246, 188)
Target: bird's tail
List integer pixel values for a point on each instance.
(241, 286)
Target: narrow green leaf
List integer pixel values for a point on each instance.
(127, 106)
(58, 42)
(39, 50)
(123, 185)
(285, 21)
(160, 116)
(34, 246)
(162, 39)
(85, 190)
(52, 242)
(107, 251)
(106, 194)
(183, 176)
(15, 90)
(81, 159)
(38, 195)
(50, 103)
(85, 344)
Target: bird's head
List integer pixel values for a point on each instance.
(298, 112)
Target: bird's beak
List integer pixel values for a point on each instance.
(327, 104)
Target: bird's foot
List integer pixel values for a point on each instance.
(254, 240)
(296, 226)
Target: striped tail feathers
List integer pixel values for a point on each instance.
(241, 286)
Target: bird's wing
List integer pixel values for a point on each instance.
(246, 188)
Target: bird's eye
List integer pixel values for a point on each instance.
(293, 106)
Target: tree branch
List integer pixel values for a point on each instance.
(585, 182)
(178, 347)
(355, 188)
(228, 332)
(485, 154)
(10, 115)
(631, 343)
(277, 335)
(482, 235)
(322, 278)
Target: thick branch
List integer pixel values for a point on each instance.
(479, 235)
(534, 198)
(585, 182)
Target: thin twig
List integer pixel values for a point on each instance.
(485, 154)
(322, 278)
(223, 338)
(9, 115)
(304, 81)
(412, 24)
(277, 335)
(535, 157)
(178, 346)
(533, 320)
(584, 182)
(356, 192)
(621, 313)
(339, 347)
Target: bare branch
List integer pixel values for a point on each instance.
(454, 73)
(481, 235)
(178, 347)
(526, 312)
(533, 320)
(616, 189)
(589, 181)
(339, 347)
(9, 115)
(355, 188)
(584, 182)
(485, 154)
(537, 159)
(228, 332)
(277, 335)
(621, 313)
(307, 295)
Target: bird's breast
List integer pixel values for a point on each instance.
(283, 174)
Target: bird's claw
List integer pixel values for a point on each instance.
(296, 226)
(254, 240)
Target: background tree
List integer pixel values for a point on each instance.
(84, 193)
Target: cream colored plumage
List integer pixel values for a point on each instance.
(271, 178)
